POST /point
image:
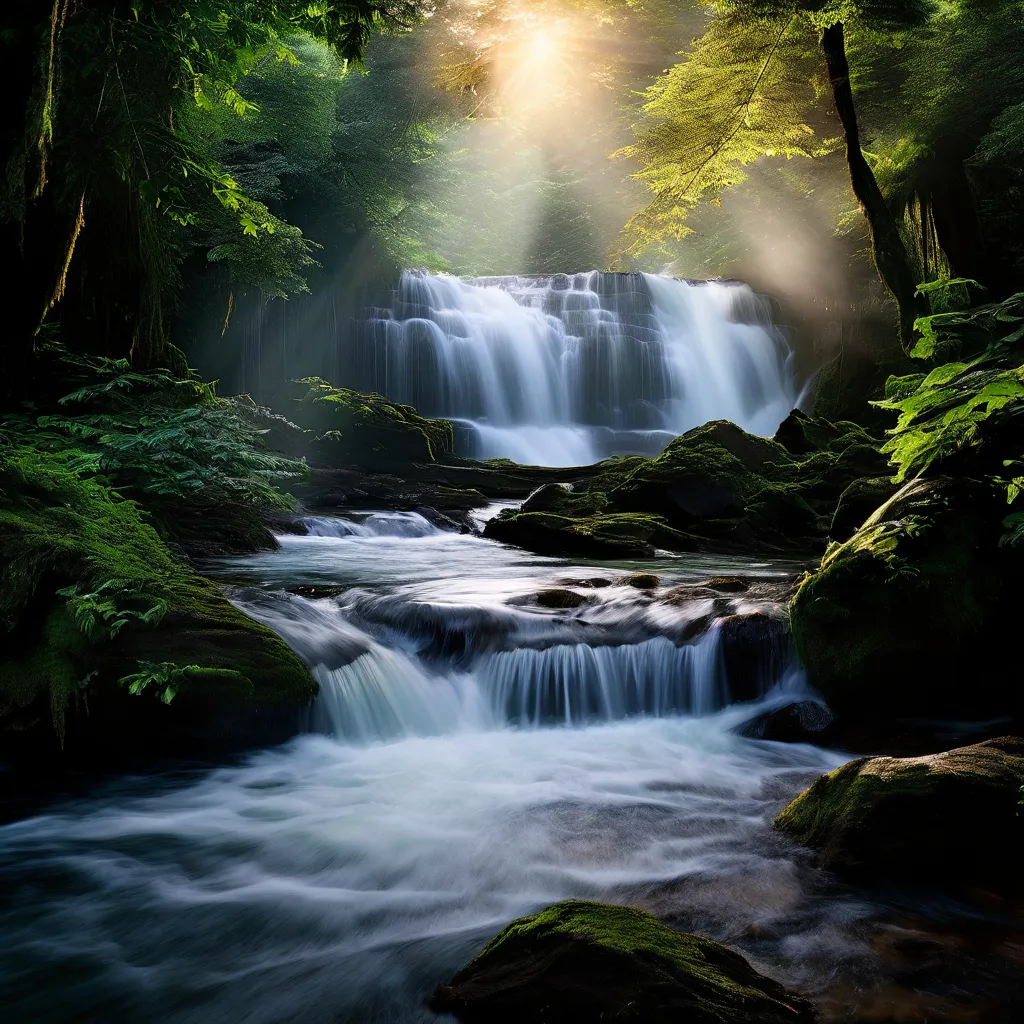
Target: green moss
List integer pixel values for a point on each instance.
(946, 819)
(714, 487)
(626, 930)
(88, 590)
(583, 961)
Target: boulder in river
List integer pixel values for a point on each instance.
(579, 962)
(948, 820)
(805, 721)
(755, 648)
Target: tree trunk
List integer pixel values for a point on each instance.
(887, 246)
(959, 230)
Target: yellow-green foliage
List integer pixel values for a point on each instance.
(748, 88)
(963, 404)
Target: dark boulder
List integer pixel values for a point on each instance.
(755, 649)
(560, 597)
(948, 820)
(858, 502)
(642, 581)
(584, 963)
(804, 722)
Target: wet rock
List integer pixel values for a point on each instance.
(728, 584)
(804, 722)
(642, 581)
(948, 820)
(612, 536)
(583, 963)
(315, 592)
(559, 597)
(755, 649)
(442, 521)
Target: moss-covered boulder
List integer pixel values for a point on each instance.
(369, 430)
(109, 640)
(617, 535)
(914, 615)
(946, 819)
(715, 487)
(579, 962)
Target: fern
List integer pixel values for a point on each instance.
(163, 440)
(165, 676)
(959, 404)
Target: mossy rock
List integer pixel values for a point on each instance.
(859, 501)
(913, 616)
(579, 962)
(714, 488)
(90, 595)
(709, 472)
(616, 536)
(369, 430)
(947, 819)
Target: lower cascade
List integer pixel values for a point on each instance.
(409, 664)
(570, 369)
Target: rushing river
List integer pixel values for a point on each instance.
(473, 756)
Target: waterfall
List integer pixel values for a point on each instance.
(375, 524)
(570, 369)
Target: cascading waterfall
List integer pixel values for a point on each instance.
(570, 369)
(381, 680)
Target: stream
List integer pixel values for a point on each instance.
(473, 756)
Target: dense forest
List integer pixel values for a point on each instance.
(203, 197)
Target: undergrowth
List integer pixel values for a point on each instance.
(86, 490)
(969, 406)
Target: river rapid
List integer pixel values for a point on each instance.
(472, 757)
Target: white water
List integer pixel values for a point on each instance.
(339, 878)
(567, 370)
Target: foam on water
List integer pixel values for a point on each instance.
(335, 882)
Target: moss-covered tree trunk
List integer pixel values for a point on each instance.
(889, 252)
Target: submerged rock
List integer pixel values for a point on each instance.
(915, 615)
(579, 962)
(804, 722)
(947, 819)
(642, 581)
(560, 597)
